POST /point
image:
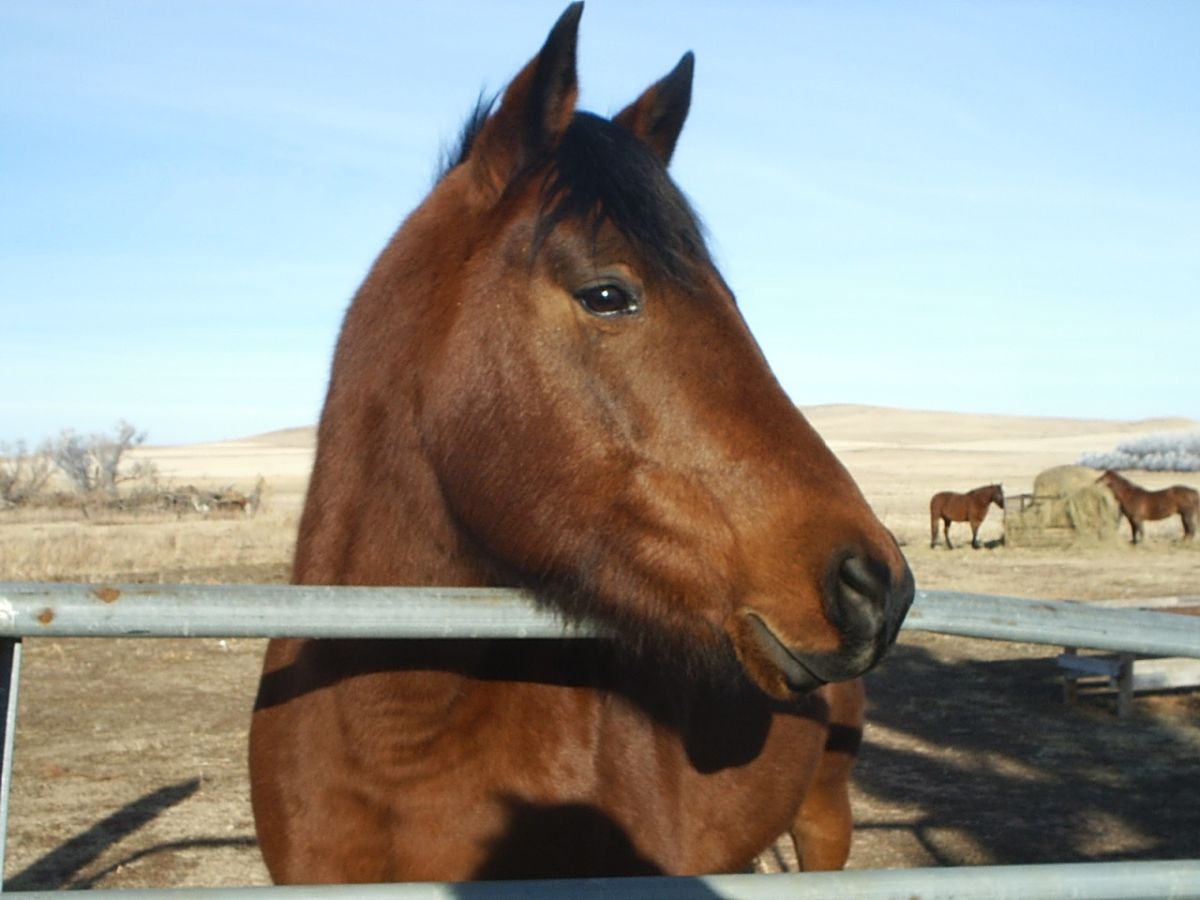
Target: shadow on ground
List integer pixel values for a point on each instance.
(990, 766)
(59, 868)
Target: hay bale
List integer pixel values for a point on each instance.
(1067, 507)
(1061, 481)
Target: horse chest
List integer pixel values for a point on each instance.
(422, 736)
(596, 781)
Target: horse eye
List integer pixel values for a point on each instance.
(607, 300)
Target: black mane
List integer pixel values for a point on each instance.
(457, 154)
(600, 172)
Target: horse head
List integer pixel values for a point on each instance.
(547, 351)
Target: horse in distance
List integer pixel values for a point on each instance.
(1139, 505)
(544, 382)
(972, 507)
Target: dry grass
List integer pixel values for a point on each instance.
(933, 451)
(144, 550)
(65, 544)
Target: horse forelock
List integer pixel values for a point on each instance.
(598, 173)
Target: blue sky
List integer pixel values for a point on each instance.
(984, 207)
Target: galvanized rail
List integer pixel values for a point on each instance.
(139, 610)
(103, 610)
(1097, 881)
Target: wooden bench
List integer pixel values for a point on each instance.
(1127, 673)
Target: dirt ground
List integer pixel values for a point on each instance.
(130, 755)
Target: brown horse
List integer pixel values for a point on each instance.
(544, 382)
(947, 507)
(1138, 504)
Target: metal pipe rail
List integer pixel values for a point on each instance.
(84, 610)
(1098, 881)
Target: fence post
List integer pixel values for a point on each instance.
(10, 677)
(1125, 686)
(1070, 683)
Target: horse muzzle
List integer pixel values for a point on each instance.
(863, 601)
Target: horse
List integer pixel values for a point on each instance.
(544, 383)
(1138, 504)
(948, 506)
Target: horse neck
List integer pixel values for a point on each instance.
(361, 527)
(1119, 486)
(981, 497)
(374, 512)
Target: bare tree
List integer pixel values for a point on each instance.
(23, 474)
(93, 464)
(107, 452)
(69, 452)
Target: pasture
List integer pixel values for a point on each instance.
(130, 766)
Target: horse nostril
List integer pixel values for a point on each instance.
(856, 596)
(857, 574)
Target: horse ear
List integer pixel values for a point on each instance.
(657, 116)
(537, 105)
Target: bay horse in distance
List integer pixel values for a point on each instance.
(947, 506)
(545, 383)
(1139, 505)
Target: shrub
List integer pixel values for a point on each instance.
(23, 474)
(1154, 453)
(94, 464)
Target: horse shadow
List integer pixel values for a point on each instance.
(996, 769)
(541, 834)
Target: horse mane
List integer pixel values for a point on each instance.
(456, 154)
(600, 172)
